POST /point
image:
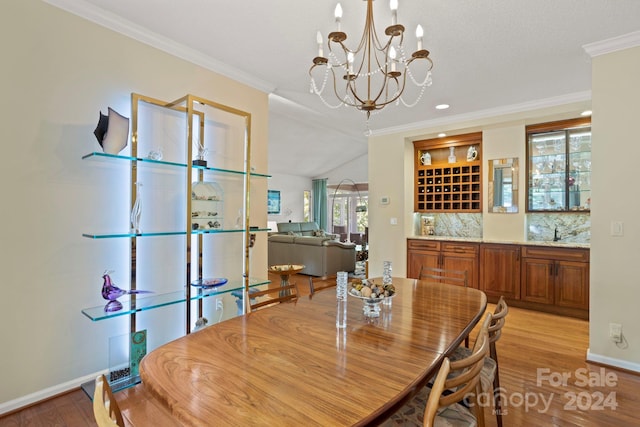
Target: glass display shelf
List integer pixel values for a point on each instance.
(167, 233)
(96, 155)
(165, 299)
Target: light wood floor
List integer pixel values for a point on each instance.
(532, 342)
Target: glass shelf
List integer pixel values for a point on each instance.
(162, 300)
(96, 155)
(167, 233)
(559, 166)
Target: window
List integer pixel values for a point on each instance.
(349, 213)
(559, 166)
(306, 205)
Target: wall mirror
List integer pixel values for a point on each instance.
(503, 185)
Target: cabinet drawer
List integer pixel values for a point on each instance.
(461, 248)
(564, 254)
(424, 245)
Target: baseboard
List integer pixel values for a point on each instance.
(45, 394)
(610, 361)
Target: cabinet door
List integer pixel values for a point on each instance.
(462, 263)
(537, 280)
(416, 259)
(462, 257)
(572, 284)
(500, 270)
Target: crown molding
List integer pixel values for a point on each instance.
(132, 30)
(614, 44)
(484, 114)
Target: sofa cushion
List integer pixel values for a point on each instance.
(282, 238)
(340, 244)
(310, 240)
(308, 228)
(285, 227)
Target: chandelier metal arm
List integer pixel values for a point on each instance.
(362, 88)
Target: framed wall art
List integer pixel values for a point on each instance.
(273, 202)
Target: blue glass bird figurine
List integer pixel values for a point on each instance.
(111, 293)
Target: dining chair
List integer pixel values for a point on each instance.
(490, 375)
(105, 408)
(274, 296)
(455, 277)
(455, 389)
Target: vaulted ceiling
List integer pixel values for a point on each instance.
(489, 56)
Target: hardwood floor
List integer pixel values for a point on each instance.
(536, 351)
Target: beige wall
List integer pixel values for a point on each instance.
(615, 287)
(615, 282)
(391, 174)
(58, 71)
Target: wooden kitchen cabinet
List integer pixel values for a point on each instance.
(449, 255)
(500, 270)
(543, 278)
(557, 277)
(422, 252)
(462, 257)
(448, 174)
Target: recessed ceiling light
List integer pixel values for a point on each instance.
(442, 106)
(586, 113)
(442, 135)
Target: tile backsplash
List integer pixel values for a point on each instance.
(453, 224)
(540, 227)
(572, 228)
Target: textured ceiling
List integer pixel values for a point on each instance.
(487, 55)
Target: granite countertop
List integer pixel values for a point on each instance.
(559, 244)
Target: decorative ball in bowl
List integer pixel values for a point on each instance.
(372, 295)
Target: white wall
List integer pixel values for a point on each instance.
(291, 189)
(60, 70)
(615, 283)
(356, 170)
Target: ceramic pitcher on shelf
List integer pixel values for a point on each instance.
(425, 159)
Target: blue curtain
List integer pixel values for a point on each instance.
(320, 202)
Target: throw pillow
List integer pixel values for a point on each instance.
(319, 233)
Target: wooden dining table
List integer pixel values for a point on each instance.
(289, 364)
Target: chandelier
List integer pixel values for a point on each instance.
(373, 75)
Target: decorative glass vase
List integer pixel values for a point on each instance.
(341, 299)
(452, 155)
(136, 211)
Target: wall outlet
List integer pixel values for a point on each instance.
(615, 332)
(219, 305)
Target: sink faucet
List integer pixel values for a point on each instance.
(556, 235)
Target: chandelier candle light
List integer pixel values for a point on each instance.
(373, 73)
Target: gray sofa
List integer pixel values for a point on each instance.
(303, 243)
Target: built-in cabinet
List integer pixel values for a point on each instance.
(558, 277)
(545, 278)
(449, 255)
(559, 166)
(500, 270)
(448, 174)
(189, 173)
